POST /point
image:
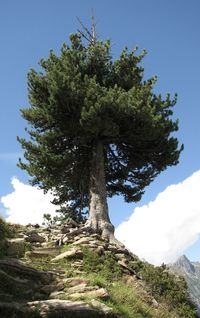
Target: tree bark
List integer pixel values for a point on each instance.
(99, 219)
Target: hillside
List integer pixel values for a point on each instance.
(191, 272)
(68, 271)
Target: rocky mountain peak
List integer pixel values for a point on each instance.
(191, 272)
(184, 265)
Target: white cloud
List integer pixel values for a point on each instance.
(27, 204)
(165, 228)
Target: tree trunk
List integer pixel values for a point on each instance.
(99, 219)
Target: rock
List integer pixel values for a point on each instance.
(79, 231)
(6, 297)
(77, 309)
(83, 240)
(94, 242)
(34, 237)
(117, 249)
(20, 270)
(37, 226)
(120, 256)
(129, 269)
(105, 309)
(73, 253)
(15, 286)
(64, 229)
(48, 289)
(43, 252)
(125, 266)
(100, 250)
(100, 293)
(73, 281)
(15, 247)
(13, 309)
(55, 231)
(97, 236)
(65, 239)
(81, 288)
(77, 264)
(37, 244)
(56, 294)
(20, 235)
(69, 225)
(155, 303)
(78, 237)
(72, 223)
(79, 272)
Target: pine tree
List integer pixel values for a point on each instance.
(96, 128)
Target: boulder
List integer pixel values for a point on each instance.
(34, 237)
(73, 253)
(78, 309)
(74, 281)
(6, 297)
(71, 223)
(48, 289)
(81, 288)
(83, 240)
(20, 270)
(100, 293)
(155, 303)
(56, 294)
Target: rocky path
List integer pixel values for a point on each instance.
(37, 284)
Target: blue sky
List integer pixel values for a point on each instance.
(168, 30)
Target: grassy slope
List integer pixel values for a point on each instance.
(129, 296)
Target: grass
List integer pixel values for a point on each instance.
(128, 299)
(66, 248)
(45, 264)
(104, 265)
(124, 301)
(104, 271)
(165, 286)
(41, 264)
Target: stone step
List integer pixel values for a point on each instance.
(44, 252)
(79, 309)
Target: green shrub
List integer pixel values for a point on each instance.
(167, 286)
(104, 265)
(7, 230)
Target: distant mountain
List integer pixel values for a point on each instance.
(191, 272)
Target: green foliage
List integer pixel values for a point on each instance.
(42, 263)
(167, 286)
(82, 97)
(48, 220)
(127, 303)
(63, 215)
(7, 230)
(104, 265)
(104, 271)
